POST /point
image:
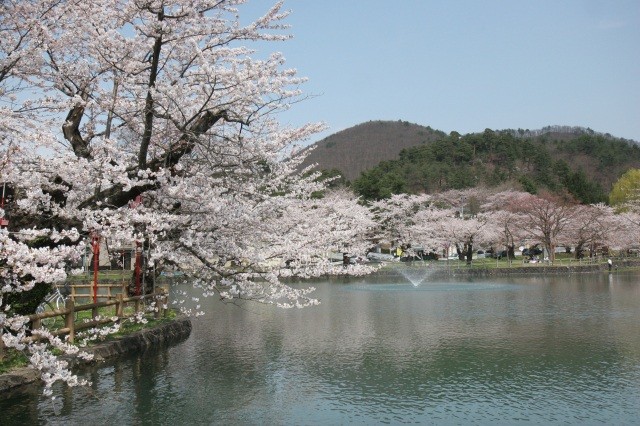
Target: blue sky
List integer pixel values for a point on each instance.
(467, 65)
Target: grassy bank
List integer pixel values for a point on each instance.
(13, 359)
(563, 263)
(562, 260)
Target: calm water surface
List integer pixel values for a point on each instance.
(379, 350)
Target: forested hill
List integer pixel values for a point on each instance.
(560, 159)
(362, 147)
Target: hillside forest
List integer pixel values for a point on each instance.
(583, 165)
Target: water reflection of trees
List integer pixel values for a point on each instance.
(403, 351)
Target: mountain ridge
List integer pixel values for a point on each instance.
(363, 146)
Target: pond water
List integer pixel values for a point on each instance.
(384, 350)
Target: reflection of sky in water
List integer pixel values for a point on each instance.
(503, 350)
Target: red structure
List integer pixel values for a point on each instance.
(138, 268)
(3, 222)
(138, 264)
(95, 245)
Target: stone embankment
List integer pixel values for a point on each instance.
(518, 270)
(139, 341)
(532, 270)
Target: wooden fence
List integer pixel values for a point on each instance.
(107, 291)
(119, 303)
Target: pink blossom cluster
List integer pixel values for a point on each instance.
(156, 123)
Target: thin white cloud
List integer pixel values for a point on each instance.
(611, 24)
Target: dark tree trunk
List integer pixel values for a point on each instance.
(469, 253)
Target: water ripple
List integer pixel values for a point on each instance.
(430, 286)
(545, 351)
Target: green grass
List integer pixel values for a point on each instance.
(15, 359)
(562, 260)
(82, 316)
(128, 327)
(12, 359)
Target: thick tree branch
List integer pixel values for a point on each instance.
(115, 196)
(188, 140)
(71, 131)
(148, 107)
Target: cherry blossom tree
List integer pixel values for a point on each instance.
(161, 105)
(436, 221)
(465, 228)
(426, 227)
(465, 233)
(546, 218)
(468, 202)
(395, 217)
(507, 219)
(592, 226)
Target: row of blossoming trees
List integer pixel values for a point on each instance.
(503, 220)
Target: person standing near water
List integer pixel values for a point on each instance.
(609, 264)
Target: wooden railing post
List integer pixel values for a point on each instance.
(36, 323)
(159, 299)
(119, 305)
(69, 319)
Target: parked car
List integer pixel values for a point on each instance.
(533, 251)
